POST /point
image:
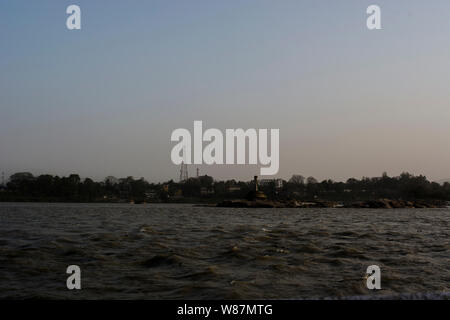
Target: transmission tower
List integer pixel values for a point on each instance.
(183, 172)
(184, 169)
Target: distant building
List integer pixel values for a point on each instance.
(206, 191)
(234, 188)
(277, 182)
(151, 194)
(178, 194)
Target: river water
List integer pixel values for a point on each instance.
(187, 252)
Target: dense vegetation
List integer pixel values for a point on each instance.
(26, 187)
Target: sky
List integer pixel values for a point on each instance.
(104, 100)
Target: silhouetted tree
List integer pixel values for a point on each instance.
(297, 179)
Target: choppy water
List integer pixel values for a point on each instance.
(186, 252)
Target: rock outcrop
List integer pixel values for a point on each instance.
(370, 204)
(393, 204)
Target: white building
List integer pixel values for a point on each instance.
(277, 182)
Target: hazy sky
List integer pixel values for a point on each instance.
(104, 100)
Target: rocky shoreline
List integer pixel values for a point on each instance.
(370, 204)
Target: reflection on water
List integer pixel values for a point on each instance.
(181, 251)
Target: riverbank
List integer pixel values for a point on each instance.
(371, 204)
(242, 203)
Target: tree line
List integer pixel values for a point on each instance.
(24, 186)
